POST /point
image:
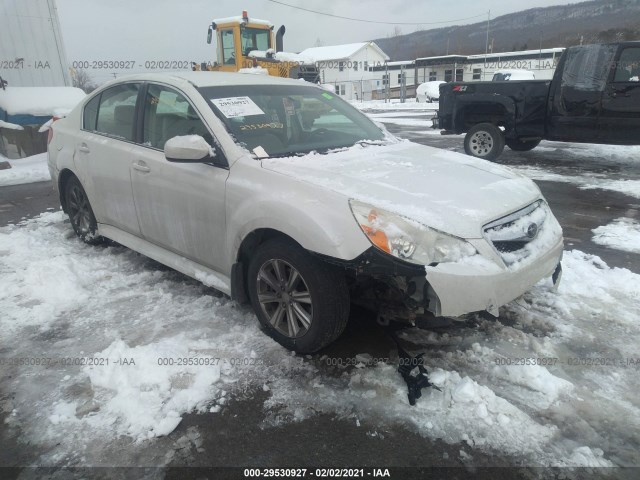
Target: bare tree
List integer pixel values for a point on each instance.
(83, 80)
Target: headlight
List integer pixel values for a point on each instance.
(407, 239)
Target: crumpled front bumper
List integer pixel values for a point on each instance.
(456, 289)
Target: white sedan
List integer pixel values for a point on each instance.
(278, 192)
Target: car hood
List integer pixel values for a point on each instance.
(451, 192)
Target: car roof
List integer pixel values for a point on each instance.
(209, 79)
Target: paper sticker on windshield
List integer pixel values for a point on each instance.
(237, 107)
(328, 96)
(289, 107)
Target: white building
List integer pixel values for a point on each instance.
(31, 48)
(468, 68)
(348, 67)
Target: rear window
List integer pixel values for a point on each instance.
(587, 67)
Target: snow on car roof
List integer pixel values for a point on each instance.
(209, 79)
(39, 101)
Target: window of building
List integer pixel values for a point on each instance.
(366, 66)
(341, 66)
(448, 75)
(355, 66)
(168, 114)
(117, 111)
(433, 76)
(342, 89)
(385, 79)
(477, 74)
(459, 74)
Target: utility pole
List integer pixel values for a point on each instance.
(403, 86)
(540, 58)
(486, 48)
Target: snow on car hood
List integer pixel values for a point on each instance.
(451, 192)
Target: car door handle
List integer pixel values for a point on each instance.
(83, 148)
(141, 167)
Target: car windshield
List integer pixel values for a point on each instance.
(282, 120)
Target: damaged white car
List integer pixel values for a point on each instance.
(278, 192)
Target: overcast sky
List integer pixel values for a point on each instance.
(144, 30)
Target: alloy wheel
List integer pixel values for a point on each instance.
(284, 298)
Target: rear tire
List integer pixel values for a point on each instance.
(301, 302)
(518, 146)
(81, 216)
(485, 141)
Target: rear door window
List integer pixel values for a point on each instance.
(116, 113)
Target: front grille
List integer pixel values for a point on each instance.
(511, 235)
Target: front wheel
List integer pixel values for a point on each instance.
(301, 302)
(520, 146)
(485, 141)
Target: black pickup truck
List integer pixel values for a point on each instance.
(594, 97)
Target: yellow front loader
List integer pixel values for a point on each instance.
(249, 43)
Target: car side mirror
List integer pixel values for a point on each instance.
(209, 35)
(188, 149)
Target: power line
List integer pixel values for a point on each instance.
(372, 21)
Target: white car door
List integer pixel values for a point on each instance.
(103, 151)
(180, 206)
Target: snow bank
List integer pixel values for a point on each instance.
(25, 170)
(146, 395)
(40, 101)
(622, 234)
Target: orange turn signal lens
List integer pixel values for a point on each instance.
(377, 237)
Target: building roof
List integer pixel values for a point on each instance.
(339, 52)
(516, 54)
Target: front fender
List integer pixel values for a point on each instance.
(318, 219)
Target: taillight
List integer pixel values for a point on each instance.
(50, 131)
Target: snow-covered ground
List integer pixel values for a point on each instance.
(622, 234)
(25, 170)
(114, 347)
(584, 181)
(393, 104)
